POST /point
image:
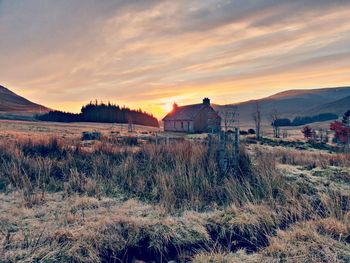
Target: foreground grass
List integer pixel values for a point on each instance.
(86, 229)
(109, 201)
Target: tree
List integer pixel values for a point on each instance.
(342, 130)
(283, 122)
(307, 131)
(314, 136)
(285, 134)
(346, 119)
(297, 121)
(321, 134)
(275, 124)
(228, 114)
(257, 120)
(101, 112)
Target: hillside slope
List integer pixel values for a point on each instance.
(337, 107)
(11, 102)
(292, 103)
(15, 107)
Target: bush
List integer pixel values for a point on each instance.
(243, 132)
(251, 131)
(86, 136)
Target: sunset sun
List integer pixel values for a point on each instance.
(168, 107)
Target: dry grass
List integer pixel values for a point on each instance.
(224, 257)
(303, 243)
(309, 159)
(181, 175)
(64, 200)
(10, 129)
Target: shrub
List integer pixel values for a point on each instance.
(251, 131)
(86, 136)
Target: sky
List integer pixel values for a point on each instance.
(151, 53)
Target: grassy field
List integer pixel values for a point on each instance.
(13, 128)
(125, 199)
(65, 130)
(293, 132)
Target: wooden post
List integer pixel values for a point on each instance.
(236, 147)
(209, 143)
(222, 152)
(237, 143)
(130, 128)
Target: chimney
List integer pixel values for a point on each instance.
(175, 106)
(206, 101)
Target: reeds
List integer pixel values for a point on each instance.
(185, 204)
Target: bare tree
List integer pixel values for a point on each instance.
(346, 123)
(274, 123)
(321, 135)
(257, 120)
(229, 115)
(284, 134)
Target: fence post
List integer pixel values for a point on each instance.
(130, 128)
(237, 143)
(222, 157)
(209, 143)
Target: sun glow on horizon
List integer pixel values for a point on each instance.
(168, 107)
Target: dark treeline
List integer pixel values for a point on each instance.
(60, 116)
(101, 112)
(298, 121)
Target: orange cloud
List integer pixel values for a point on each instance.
(149, 54)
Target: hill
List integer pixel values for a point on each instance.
(12, 105)
(337, 107)
(292, 103)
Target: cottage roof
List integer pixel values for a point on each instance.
(185, 113)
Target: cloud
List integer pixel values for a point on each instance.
(149, 52)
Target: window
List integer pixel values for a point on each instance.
(174, 124)
(182, 125)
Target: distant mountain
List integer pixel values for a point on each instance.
(15, 107)
(337, 107)
(292, 103)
